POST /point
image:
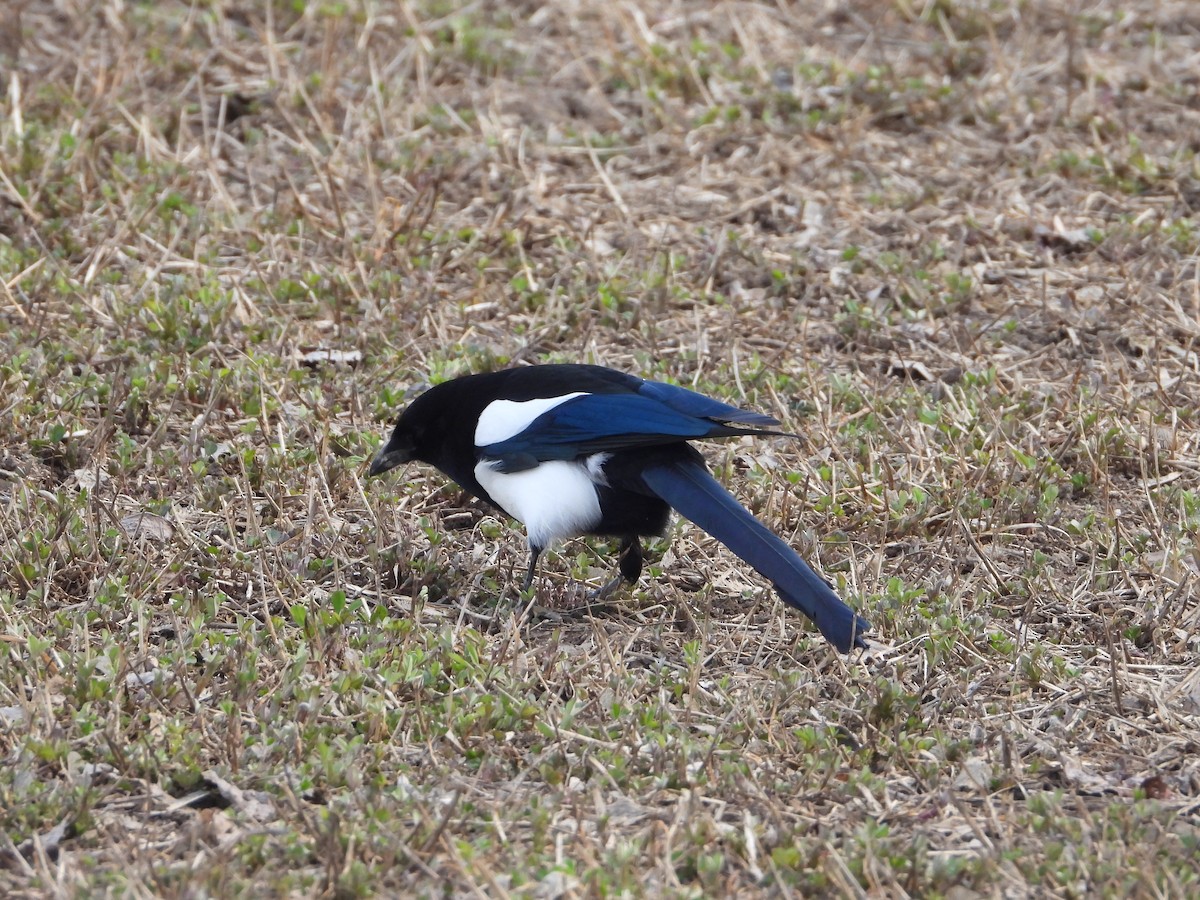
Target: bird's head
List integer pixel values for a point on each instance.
(400, 449)
(415, 435)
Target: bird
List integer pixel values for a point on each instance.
(571, 450)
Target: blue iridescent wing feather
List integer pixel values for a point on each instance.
(598, 423)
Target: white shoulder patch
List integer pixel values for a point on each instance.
(502, 419)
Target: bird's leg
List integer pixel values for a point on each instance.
(630, 564)
(631, 559)
(534, 552)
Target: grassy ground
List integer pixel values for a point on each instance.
(954, 245)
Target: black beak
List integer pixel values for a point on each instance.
(388, 457)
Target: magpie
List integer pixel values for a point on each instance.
(572, 450)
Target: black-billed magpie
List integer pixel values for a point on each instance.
(570, 450)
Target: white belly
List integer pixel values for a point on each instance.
(554, 500)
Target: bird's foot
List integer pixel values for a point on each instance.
(573, 603)
(536, 612)
(606, 590)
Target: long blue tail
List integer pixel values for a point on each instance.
(696, 495)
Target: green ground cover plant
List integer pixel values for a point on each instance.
(954, 246)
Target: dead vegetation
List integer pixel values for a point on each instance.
(952, 244)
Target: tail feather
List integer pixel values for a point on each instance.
(695, 494)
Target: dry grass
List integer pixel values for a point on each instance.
(954, 244)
